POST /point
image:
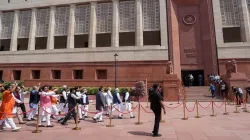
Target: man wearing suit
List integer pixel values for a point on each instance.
(100, 103)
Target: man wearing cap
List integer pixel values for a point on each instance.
(156, 105)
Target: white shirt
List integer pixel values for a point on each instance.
(78, 94)
(109, 98)
(84, 98)
(22, 94)
(76, 97)
(64, 95)
(118, 96)
(126, 96)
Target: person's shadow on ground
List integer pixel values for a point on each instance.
(140, 133)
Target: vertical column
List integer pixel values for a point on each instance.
(139, 24)
(218, 22)
(14, 35)
(71, 28)
(244, 18)
(1, 18)
(92, 26)
(115, 24)
(163, 23)
(51, 31)
(32, 34)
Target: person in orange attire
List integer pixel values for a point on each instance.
(7, 107)
(54, 104)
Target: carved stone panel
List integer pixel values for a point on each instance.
(190, 41)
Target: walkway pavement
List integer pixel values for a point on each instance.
(235, 126)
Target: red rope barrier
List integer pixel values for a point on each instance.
(145, 110)
(125, 112)
(220, 105)
(174, 107)
(206, 106)
(58, 114)
(192, 109)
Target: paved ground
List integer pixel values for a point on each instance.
(231, 127)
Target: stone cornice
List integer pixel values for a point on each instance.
(238, 60)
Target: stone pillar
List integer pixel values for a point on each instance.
(32, 34)
(71, 27)
(176, 58)
(1, 18)
(218, 22)
(92, 26)
(14, 35)
(245, 21)
(115, 24)
(163, 23)
(139, 24)
(51, 31)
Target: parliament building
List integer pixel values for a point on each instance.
(74, 42)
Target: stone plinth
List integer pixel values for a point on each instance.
(237, 80)
(171, 85)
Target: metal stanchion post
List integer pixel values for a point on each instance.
(147, 92)
(197, 110)
(225, 101)
(76, 128)
(110, 117)
(184, 109)
(37, 121)
(139, 114)
(213, 115)
(236, 107)
(162, 121)
(245, 108)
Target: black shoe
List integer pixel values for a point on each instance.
(132, 117)
(41, 126)
(119, 117)
(82, 119)
(25, 117)
(33, 119)
(156, 135)
(86, 116)
(50, 125)
(63, 123)
(95, 121)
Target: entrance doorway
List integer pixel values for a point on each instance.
(197, 74)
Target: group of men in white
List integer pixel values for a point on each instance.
(63, 104)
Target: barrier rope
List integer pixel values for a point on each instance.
(220, 105)
(146, 110)
(125, 112)
(174, 107)
(18, 114)
(58, 114)
(192, 109)
(206, 106)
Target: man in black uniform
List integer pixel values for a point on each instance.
(71, 105)
(156, 105)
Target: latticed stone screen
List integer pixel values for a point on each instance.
(7, 23)
(104, 17)
(127, 16)
(248, 5)
(151, 15)
(42, 21)
(24, 24)
(230, 13)
(62, 21)
(82, 16)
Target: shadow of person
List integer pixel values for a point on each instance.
(140, 133)
(31, 124)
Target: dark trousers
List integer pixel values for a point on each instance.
(157, 113)
(71, 113)
(23, 109)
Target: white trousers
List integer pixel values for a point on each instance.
(127, 107)
(86, 109)
(8, 122)
(55, 111)
(44, 114)
(99, 115)
(17, 110)
(62, 109)
(33, 112)
(80, 111)
(118, 107)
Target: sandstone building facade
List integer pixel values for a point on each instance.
(74, 41)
